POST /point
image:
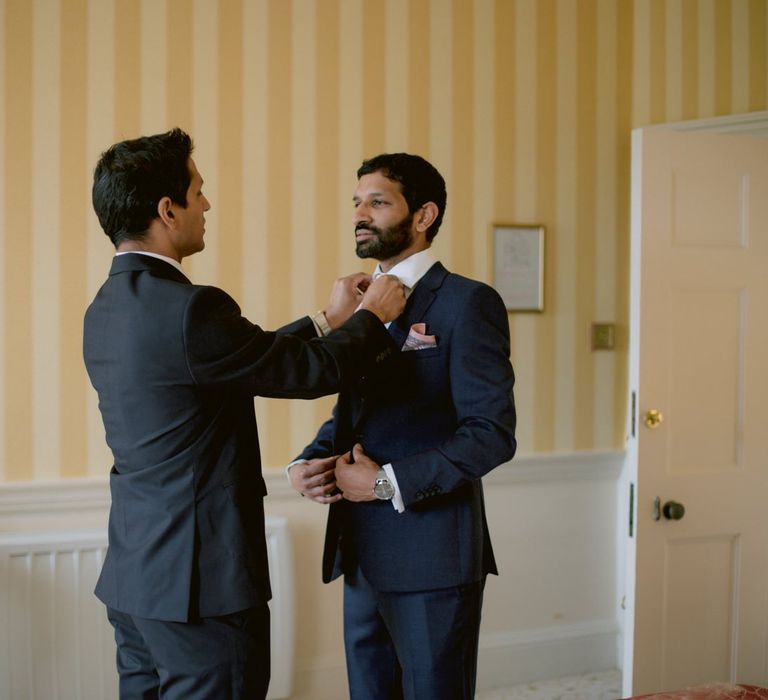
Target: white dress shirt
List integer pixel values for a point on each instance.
(170, 261)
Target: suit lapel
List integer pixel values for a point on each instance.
(418, 303)
(415, 310)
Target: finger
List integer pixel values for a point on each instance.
(322, 480)
(315, 468)
(357, 451)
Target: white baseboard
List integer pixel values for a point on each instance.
(505, 659)
(524, 656)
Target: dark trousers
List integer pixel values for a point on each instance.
(416, 646)
(214, 658)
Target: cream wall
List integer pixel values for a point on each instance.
(525, 106)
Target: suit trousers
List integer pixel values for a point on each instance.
(411, 646)
(213, 658)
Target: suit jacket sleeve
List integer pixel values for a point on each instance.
(322, 445)
(481, 379)
(225, 350)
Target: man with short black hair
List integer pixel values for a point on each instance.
(400, 461)
(176, 367)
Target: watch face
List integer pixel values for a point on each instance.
(383, 490)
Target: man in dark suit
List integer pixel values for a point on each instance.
(408, 445)
(176, 367)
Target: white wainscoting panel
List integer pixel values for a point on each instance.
(557, 524)
(55, 641)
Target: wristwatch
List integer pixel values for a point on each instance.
(382, 487)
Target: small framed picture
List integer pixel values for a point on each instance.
(519, 266)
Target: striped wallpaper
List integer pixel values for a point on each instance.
(526, 107)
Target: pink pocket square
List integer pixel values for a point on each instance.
(417, 338)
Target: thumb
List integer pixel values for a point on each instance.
(357, 451)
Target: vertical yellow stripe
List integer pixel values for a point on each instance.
(462, 200)
(374, 78)
(74, 216)
(4, 397)
(440, 87)
(706, 58)
(203, 268)
(127, 69)
(740, 69)
(504, 105)
(419, 43)
(46, 246)
(641, 65)
(332, 219)
(179, 35)
(658, 63)
(18, 232)
(605, 386)
(351, 152)
(586, 203)
(690, 59)
(565, 250)
(546, 203)
(623, 59)
(328, 215)
(100, 134)
(396, 79)
(723, 56)
(484, 122)
(674, 67)
(758, 68)
(305, 236)
(229, 232)
(279, 152)
(154, 17)
(522, 126)
(255, 175)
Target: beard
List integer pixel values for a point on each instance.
(388, 242)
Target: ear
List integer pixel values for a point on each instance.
(426, 216)
(165, 212)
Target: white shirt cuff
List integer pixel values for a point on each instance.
(397, 499)
(288, 468)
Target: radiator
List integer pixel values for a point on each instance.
(55, 641)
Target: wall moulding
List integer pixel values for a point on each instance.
(91, 494)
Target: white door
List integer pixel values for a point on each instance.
(699, 380)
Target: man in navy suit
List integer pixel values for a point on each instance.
(401, 459)
(176, 367)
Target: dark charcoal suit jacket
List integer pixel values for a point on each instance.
(176, 368)
(443, 417)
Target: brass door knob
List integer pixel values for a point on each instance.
(653, 418)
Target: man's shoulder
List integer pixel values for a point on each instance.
(459, 284)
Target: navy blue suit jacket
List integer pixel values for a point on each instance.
(176, 368)
(443, 417)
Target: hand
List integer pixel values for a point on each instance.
(346, 294)
(315, 479)
(356, 479)
(385, 297)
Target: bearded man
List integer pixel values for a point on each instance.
(400, 461)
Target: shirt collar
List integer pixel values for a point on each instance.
(165, 258)
(412, 269)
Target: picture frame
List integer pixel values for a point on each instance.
(519, 265)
